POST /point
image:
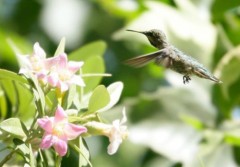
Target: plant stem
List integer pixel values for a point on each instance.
(96, 75)
(58, 161)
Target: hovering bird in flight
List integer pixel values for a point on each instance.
(170, 57)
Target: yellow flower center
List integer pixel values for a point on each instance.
(37, 65)
(58, 130)
(64, 75)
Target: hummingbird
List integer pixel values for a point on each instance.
(170, 57)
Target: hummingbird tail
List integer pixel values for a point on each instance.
(142, 60)
(215, 79)
(207, 75)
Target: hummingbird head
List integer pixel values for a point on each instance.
(156, 37)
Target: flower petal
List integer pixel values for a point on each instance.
(24, 62)
(46, 123)
(61, 147)
(51, 63)
(42, 77)
(72, 131)
(63, 86)
(74, 66)
(113, 147)
(53, 79)
(63, 61)
(47, 141)
(76, 79)
(38, 51)
(60, 115)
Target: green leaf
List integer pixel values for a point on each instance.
(219, 8)
(228, 69)
(232, 139)
(93, 49)
(230, 74)
(69, 97)
(51, 100)
(5, 74)
(114, 90)
(61, 47)
(3, 104)
(25, 151)
(20, 97)
(99, 99)
(192, 121)
(17, 141)
(226, 95)
(14, 127)
(9, 90)
(31, 156)
(93, 65)
(39, 95)
(26, 106)
(84, 154)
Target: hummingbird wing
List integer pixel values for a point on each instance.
(144, 59)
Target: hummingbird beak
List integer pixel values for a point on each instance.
(142, 32)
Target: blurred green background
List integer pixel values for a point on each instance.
(170, 124)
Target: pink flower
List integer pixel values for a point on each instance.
(58, 131)
(56, 71)
(62, 74)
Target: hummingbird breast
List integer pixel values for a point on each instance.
(182, 63)
(181, 67)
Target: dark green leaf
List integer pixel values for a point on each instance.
(219, 8)
(17, 141)
(226, 96)
(230, 74)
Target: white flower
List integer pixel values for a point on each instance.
(116, 133)
(33, 63)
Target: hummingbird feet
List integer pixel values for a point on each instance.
(186, 79)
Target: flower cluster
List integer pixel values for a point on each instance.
(55, 71)
(59, 74)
